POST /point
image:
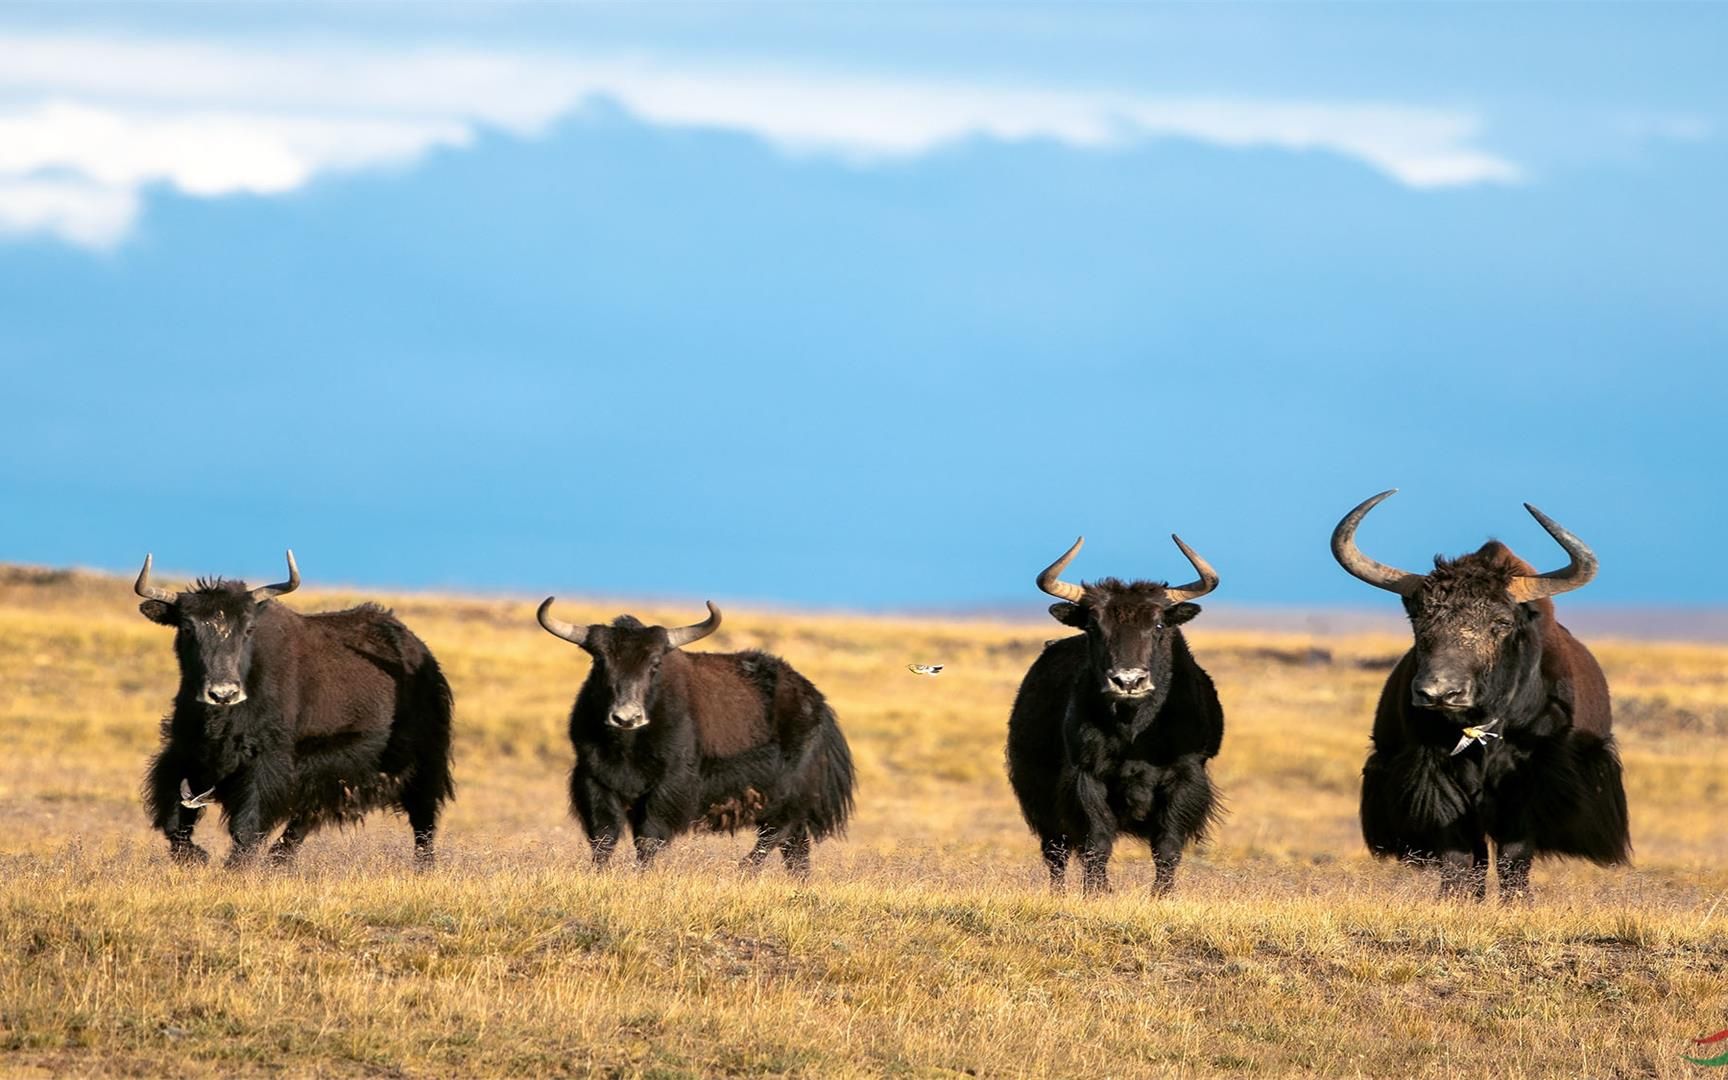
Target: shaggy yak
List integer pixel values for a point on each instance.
(1494, 726)
(293, 720)
(1112, 728)
(667, 741)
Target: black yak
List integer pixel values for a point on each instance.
(1112, 728)
(668, 741)
(1494, 726)
(294, 720)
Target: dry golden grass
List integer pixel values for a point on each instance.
(925, 944)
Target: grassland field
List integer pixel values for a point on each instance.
(925, 943)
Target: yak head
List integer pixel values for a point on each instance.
(1477, 619)
(1130, 626)
(627, 656)
(214, 620)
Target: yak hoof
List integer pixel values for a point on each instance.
(188, 854)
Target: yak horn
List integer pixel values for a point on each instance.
(1574, 575)
(148, 591)
(1350, 557)
(570, 632)
(270, 592)
(680, 636)
(1208, 576)
(1051, 579)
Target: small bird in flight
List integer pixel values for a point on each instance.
(925, 669)
(193, 802)
(1481, 733)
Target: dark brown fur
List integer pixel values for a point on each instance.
(344, 712)
(667, 741)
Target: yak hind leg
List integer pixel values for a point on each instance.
(1055, 852)
(1512, 859)
(1095, 870)
(767, 838)
(287, 845)
(795, 851)
(1166, 857)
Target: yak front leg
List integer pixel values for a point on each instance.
(1097, 837)
(601, 814)
(175, 808)
(1513, 857)
(1464, 874)
(181, 847)
(246, 828)
(651, 820)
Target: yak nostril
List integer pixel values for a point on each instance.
(1440, 695)
(1127, 679)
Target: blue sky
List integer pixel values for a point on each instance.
(861, 305)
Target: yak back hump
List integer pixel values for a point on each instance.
(352, 664)
(728, 696)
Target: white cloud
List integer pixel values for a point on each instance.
(86, 123)
(83, 213)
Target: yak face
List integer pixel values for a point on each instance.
(1472, 638)
(1130, 628)
(215, 621)
(627, 657)
(1130, 632)
(1477, 619)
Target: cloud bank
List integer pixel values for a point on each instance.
(88, 123)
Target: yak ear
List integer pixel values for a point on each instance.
(1180, 613)
(158, 611)
(1068, 614)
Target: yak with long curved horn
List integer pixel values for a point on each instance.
(281, 588)
(570, 632)
(151, 592)
(1050, 580)
(1575, 574)
(1350, 557)
(1497, 713)
(680, 636)
(1196, 589)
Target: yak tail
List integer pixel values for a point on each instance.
(421, 741)
(829, 768)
